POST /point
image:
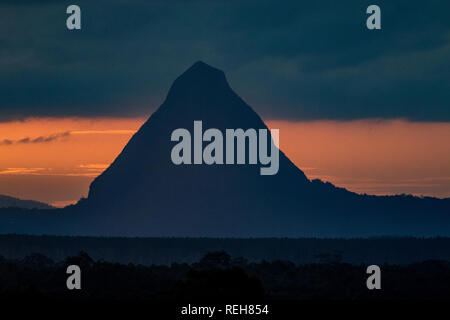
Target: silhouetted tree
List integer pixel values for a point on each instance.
(215, 259)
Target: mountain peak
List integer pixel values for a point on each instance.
(201, 68)
(199, 80)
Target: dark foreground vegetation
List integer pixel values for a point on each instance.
(165, 251)
(219, 277)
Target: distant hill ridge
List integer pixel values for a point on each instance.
(11, 202)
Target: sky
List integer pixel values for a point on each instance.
(367, 110)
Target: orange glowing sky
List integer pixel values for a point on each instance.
(55, 160)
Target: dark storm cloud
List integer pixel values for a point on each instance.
(296, 60)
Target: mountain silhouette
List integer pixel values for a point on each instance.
(142, 193)
(144, 181)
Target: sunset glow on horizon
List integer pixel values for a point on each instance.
(55, 159)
